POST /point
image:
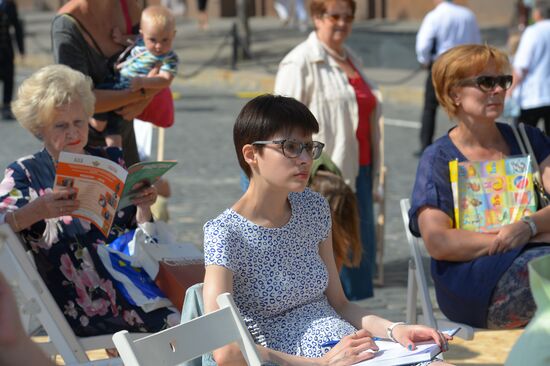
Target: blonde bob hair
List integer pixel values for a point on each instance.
(460, 63)
(48, 89)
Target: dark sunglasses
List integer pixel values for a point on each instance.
(488, 83)
(293, 149)
(347, 18)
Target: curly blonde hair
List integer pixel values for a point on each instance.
(48, 89)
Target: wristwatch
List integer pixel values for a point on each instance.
(532, 226)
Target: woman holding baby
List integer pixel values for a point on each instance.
(82, 38)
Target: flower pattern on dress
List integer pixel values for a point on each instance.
(65, 250)
(279, 278)
(8, 191)
(132, 318)
(7, 183)
(84, 320)
(70, 310)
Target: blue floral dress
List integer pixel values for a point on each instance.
(65, 250)
(279, 278)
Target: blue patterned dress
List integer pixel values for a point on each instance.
(279, 278)
(65, 251)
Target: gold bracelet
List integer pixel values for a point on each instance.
(15, 223)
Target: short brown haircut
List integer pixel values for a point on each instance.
(460, 63)
(266, 115)
(319, 7)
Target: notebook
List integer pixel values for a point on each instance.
(394, 354)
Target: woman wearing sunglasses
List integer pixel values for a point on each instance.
(480, 278)
(327, 77)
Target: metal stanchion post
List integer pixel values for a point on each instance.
(235, 44)
(243, 29)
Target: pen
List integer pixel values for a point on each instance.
(452, 331)
(334, 343)
(331, 344)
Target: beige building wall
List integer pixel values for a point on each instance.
(488, 12)
(39, 4)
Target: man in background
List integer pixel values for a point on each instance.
(532, 69)
(292, 11)
(9, 20)
(446, 26)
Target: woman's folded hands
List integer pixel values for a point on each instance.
(509, 237)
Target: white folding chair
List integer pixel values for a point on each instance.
(417, 285)
(189, 340)
(35, 300)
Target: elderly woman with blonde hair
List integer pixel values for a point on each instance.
(480, 278)
(54, 104)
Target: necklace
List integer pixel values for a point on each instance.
(343, 57)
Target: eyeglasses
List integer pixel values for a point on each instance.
(334, 17)
(293, 149)
(488, 83)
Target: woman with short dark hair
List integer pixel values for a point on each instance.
(273, 251)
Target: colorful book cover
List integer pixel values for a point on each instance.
(490, 194)
(102, 186)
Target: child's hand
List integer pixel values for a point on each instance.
(117, 36)
(136, 83)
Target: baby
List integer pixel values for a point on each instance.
(152, 49)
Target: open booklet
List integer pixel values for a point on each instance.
(102, 186)
(393, 354)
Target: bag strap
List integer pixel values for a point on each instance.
(124, 59)
(127, 19)
(519, 140)
(537, 179)
(84, 30)
(529, 148)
